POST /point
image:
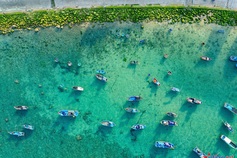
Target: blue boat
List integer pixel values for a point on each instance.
(138, 127)
(28, 126)
(230, 108)
(134, 98)
(72, 113)
(168, 123)
(233, 58)
(16, 133)
(163, 144)
(102, 72)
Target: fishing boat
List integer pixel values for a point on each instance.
(163, 144)
(17, 133)
(156, 82)
(72, 113)
(230, 108)
(21, 107)
(132, 110)
(108, 123)
(174, 89)
(205, 58)
(228, 141)
(77, 88)
(199, 152)
(28, 126)
(228, 126)
(102, 72)
(233, 58)
(101, 77)
(194, 101)
(138, 127)
(134, 98)
(171, 114)
(168, 123)
(133, 62)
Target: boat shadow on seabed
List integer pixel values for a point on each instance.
(103, 131)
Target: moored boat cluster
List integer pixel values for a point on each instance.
(137, 127)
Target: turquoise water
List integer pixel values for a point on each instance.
(28, 57)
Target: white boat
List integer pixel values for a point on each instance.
(101, 77)
(21, 107)
(171, 114)
(28, 126)
(77, 88)
(194, 101)
(134, 62)
(17, 133)
(132, 110)
(228, 141)
(108, 123)
(199, 152)
(174, 89)
(205, 58)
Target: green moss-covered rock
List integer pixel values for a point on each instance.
(133, 13)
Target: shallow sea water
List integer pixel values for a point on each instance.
(28, 57)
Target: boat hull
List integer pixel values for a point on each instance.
(133, 62)
(164, 145)
(21, 108)
(174, 89)
(131, 110)
(199, 152)
(102, 72)
(230, 108)
(68, 113)
(205, 58)
(16, 133)
(108, 124)
(77, 88)
(171, 114)
(29, 127)
(134, 98)
(101, 77)
(168, 123)
(156, 82)
(138, 127)
(194, 101)
(233, 58)
(228, 126)
(229, 142)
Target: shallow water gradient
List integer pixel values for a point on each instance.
(28, 57)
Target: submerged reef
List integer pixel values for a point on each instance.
(133, 13)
